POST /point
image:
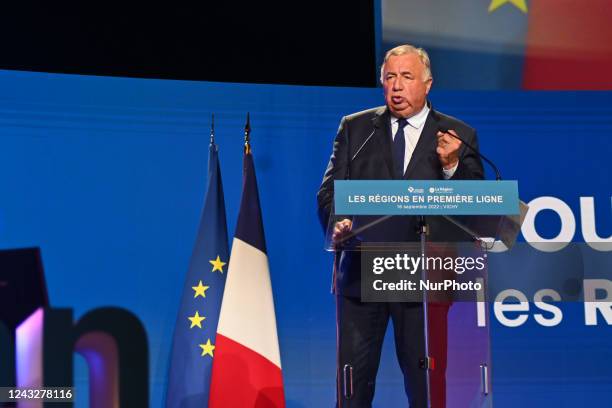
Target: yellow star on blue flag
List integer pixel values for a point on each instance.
(217, 264)
(199, 290)
(207, 348)
(196, 320)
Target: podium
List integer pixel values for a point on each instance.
(426, 241)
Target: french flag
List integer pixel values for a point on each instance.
(247, 368)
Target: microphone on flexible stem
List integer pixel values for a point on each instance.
(351, 238)
(482, 156)
(354, 156)
(363, 145)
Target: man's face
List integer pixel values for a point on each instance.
(404, 85)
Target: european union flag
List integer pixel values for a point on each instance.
(193, 348)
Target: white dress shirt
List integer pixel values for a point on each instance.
(412, 134)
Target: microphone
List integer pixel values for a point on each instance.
(365, 142)
(350, 158)
(350, 239)
(482, 156)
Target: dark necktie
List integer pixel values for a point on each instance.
(399, 148)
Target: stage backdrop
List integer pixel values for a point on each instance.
(107, 176)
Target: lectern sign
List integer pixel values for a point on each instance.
(426, 197)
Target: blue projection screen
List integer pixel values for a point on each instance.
(107, 176)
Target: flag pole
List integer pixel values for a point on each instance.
(212, 130)
(247, 135)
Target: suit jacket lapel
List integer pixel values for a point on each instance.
(382, 124)
(426, 144)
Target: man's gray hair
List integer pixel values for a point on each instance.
(408, 49)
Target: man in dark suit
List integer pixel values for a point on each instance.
(405, 139)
